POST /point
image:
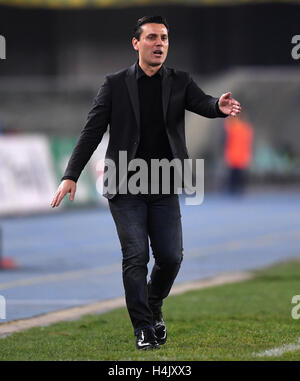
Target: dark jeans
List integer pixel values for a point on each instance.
(138, 218)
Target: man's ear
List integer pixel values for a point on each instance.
(135, 44)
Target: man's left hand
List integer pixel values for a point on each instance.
(228, 105)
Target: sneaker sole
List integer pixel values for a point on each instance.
(148, 348)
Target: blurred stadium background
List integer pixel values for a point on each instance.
(59, 51)
(57, 54)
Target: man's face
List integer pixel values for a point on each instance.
(153, 44)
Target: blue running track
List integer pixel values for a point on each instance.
(71, 258)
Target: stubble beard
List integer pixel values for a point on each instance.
(154, 64)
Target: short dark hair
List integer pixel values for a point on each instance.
(137, 31)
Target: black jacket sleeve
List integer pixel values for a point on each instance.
(200, 103)
(91, 134)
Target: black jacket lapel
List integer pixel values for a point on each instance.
(133, 92)
(134, 96)
(166, 90)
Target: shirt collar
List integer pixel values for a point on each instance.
(140, 73)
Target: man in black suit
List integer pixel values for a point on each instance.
(145, 107)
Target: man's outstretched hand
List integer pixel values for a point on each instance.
(228, 105)
(66, 186)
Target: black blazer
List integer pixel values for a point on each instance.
(117, 105)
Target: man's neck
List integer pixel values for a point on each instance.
(149, 70)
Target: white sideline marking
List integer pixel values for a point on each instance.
(67, 275)
(278, 351)
(46, 302)
(269, 239)
(108, 305)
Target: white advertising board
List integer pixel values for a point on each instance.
(27, 179)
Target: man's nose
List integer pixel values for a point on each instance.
(159, 42)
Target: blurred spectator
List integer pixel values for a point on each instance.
(238, 152)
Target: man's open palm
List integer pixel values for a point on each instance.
(67, 186)
(228, 105)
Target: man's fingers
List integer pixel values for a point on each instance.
(226, 95)
(67, 186)
(236, 106)
(57, 199)
(72, 195)
(232, 106)
(60, 197)
(54, 199)
(234, 112)
(53, 203)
